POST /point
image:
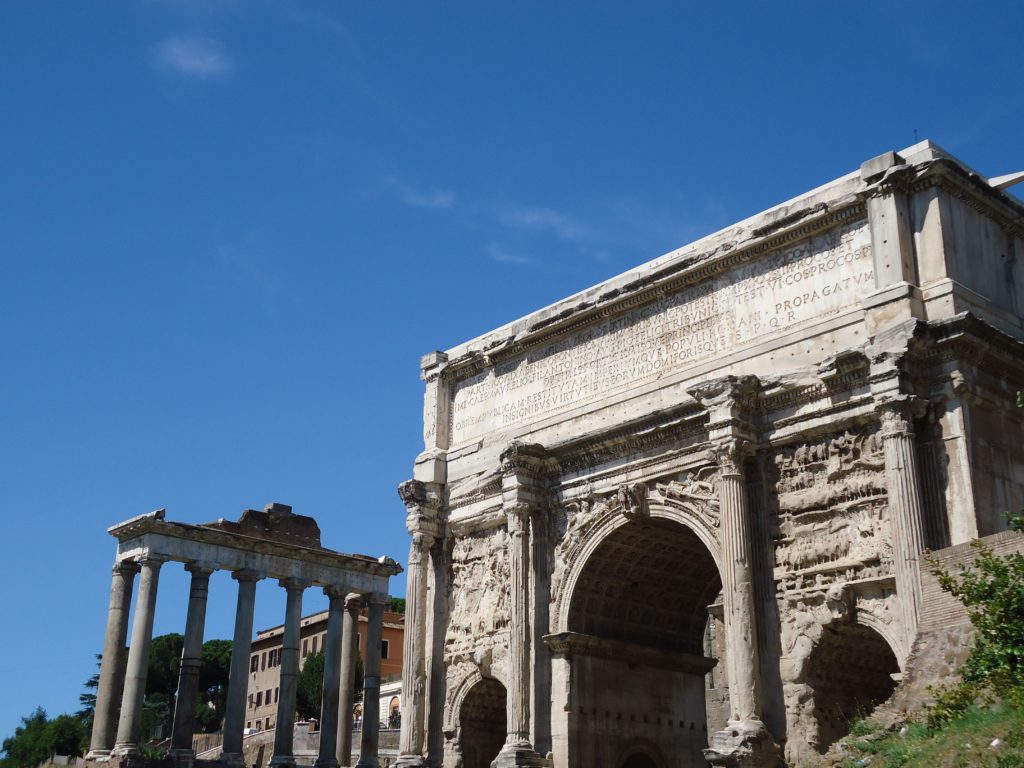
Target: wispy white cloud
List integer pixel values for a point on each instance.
(420, 198)
(541, 219)
(498, 253)
(200, 57)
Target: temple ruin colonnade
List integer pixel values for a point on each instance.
(272, 544)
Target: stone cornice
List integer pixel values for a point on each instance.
(667, 280)
(153, 525)
(578, 644)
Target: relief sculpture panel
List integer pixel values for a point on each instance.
(479, 592)
(832, 513)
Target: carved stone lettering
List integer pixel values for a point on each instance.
(821, 276)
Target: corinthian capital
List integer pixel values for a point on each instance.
(730, 455)
(896, 417)
(518, 517)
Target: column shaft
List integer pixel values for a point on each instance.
(905, 510)
(104, 719)
(414, 678)
(285, 731)
(130, 722)
(349, 654)
(332, 680)
(738, 593)
(371, 683)
(238, 674)
(518, 694)
(191, 659)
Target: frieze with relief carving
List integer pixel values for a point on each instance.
(832, 511)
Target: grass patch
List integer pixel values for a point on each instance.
(963, 742)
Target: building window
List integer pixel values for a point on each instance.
(277, 693)
(248, 724)
(383, 649)
(254, 663)
(250, 702)
(314, 643)
(263, 661)
(259, 699)
(305, 648)
(268, 723)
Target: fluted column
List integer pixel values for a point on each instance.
(104, 719)
(284, 752)
(238, 674)
(129, 724)
(517, 749)
(191, 661)
(332, 679)
(738, 588)
(369, 742)
(905, 508)
(414, 677)
(349, 654)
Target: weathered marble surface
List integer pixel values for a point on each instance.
(774, 421)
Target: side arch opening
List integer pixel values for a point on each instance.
(482, 723)
(850, 671)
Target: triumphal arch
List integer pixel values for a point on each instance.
(678, 519)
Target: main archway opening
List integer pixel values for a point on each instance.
(637, 619)
(482, 724)
(851, 672)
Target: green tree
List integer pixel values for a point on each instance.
(213, 685)
(28, 746)
(38, 738)
(397, 605)
(992, 589)
(310, 688)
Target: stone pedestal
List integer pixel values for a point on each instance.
(744, 744)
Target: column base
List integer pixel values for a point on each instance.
(744, 744)
(98, 756)
(327, 762)
(411, 761)
(282, 761)
(518, 754)
(182, 758)
(233, 760)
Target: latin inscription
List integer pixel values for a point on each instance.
(820, 276)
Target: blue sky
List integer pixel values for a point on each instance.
(228, 230)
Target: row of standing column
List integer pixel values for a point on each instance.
(119, 735)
